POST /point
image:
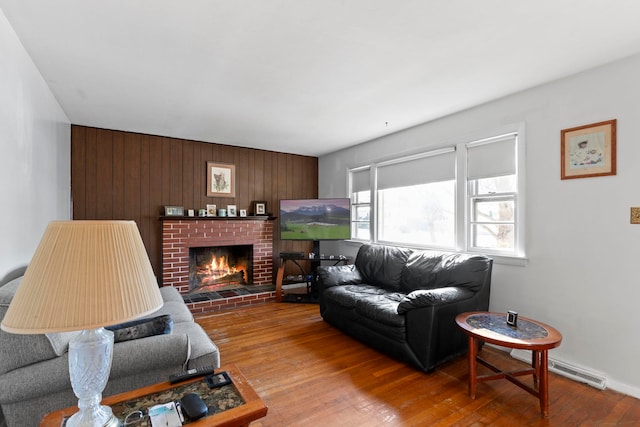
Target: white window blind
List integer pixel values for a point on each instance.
(431, 167)
(492, 157)
(360, 180)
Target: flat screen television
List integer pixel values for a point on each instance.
(315, 219)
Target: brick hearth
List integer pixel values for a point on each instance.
(180, 234)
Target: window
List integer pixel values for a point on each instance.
(492, 195)
(360, 191)
(416, 200)
(467, 197)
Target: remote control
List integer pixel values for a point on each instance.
(191, 373)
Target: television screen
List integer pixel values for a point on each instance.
(315, 219)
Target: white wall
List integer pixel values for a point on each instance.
(581, 276)
(35, 155)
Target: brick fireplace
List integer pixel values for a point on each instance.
(181, 234)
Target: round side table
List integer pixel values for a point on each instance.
(527, 335)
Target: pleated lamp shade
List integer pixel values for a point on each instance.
(84, 275)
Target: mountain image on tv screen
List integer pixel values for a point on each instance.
(315, 219)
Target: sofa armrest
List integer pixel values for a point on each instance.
(433, 297)
(338, 275)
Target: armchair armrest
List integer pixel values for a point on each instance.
(433, 297)
(149, 353)
(129, 357)
(338, 275)
(35, 380)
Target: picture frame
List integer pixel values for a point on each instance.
(588, 151)
(221, 179)
(174, 211)
(211, 210)
(218, 380)
(260, 208)
(231, 210)
(243, 212)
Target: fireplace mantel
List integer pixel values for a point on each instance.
(217, 218)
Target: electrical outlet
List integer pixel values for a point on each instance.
(635, 215)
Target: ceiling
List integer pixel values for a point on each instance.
(306, 76)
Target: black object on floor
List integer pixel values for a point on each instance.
(300, 298)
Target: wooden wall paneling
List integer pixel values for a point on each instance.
(144, 218)
(104, 174)
(132, 176)
(188, 169)
(197, 173)
(259, 178)
(165, 171)
(90, 175)
(311, 176)
(154, 245)
(206, 154)
(201, 155)
(297, 168)
(240, 160)
(278, 191)
(118, 175)
(175, 173)
(78, 170)
(245, 173)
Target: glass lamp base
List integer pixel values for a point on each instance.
(105, 419)
(90, 355)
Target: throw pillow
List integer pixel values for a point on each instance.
(142, 328)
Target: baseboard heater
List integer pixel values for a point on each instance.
(594, 379)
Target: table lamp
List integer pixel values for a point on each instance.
(85, 275)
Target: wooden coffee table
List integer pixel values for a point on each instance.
(238, 403)
(528, 335)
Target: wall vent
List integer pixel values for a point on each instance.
(594, 379)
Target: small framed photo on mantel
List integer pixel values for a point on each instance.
(259, 208)
(174, 211)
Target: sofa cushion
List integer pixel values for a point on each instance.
(381, 308)
(382, 265)
(419, 271)
(335, 275)
(346, 296)
(141, 328)
(464, 270)
(368, 301)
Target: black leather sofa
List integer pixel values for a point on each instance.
(403, 302)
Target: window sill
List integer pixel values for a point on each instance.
(509, 260)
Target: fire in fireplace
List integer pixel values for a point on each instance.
(220, 267)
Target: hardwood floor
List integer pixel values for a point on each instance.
(311, 374)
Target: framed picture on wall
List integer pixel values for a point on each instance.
(588, 150)
(260, 208)
(221, 179)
